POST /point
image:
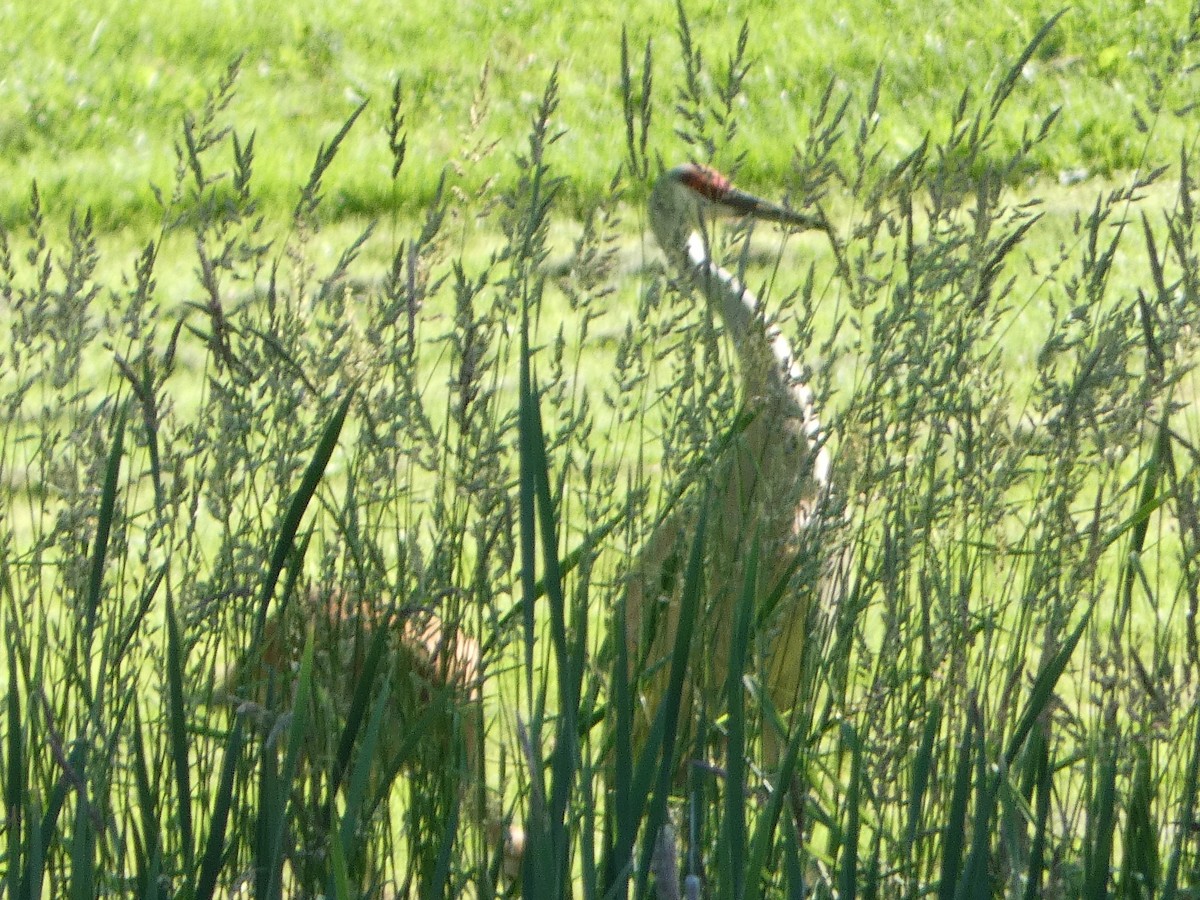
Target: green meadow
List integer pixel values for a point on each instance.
(345, 388)
(93, 94)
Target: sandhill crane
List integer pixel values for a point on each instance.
(768, 485)
(434, 673)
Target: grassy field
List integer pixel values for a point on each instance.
(98, 122)
(324, 482)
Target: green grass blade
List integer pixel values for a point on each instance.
(848, 865)
(872, 878)
(35, 857)
(104, 518)
(956, 816)
(624, 815)
(147, 808)
(1139, 866)
(1043, 787)
(1187, 813)
(1043, 689)
(270, 822)
(793, 869)
(16, 779)
(974, 882)
(356, 785)
(1102, 823)
(355, 716)
(297, 735)
(47, 830)
(215, 848)
(339, 875)
(732, 847)
(922, 767)
(296, 508)
(768, 820)
(83, 850)
(538, 521)
(178, 731)
(439, 876)
(665, 728)
(527, 429)
(568, 664)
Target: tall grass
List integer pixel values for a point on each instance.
(1001, 702)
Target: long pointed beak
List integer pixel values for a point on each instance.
(742, 204)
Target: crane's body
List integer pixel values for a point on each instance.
(767, 486)
(435, 677)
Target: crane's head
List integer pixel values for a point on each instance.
(689, 194)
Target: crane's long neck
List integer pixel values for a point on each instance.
(771, 374)
(768, 364)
